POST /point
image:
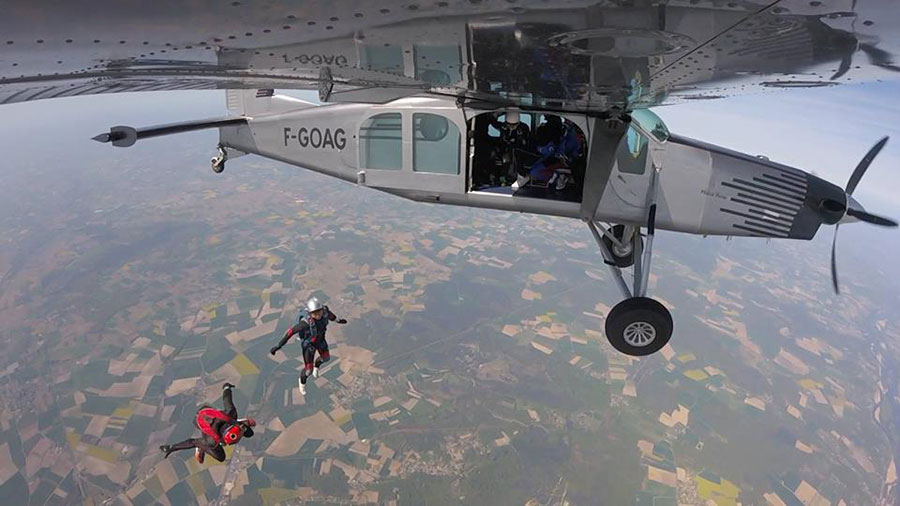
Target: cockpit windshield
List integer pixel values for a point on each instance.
(651, 123)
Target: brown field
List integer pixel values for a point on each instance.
(317, 426)
(7, 467)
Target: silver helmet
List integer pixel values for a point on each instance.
(313, 304)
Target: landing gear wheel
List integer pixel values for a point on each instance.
(217, 165)
(622, 257)
(218, 162)
(639, 326)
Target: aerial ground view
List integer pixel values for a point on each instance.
(473, 368)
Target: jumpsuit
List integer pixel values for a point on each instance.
(311, 334)
(206, 443)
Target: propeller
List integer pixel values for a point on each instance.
(853, 209)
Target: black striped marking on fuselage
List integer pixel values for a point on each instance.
(766, 204)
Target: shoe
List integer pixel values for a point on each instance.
(520, 182)
(561, 182)
(198, 455)
(315, 372)
(302, 389)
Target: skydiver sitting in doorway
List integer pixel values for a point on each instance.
(310, 331)
(218, 427)
(559, 144)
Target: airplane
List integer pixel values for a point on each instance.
(417, 99)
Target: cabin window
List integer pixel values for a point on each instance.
(632, 153)
(435, 144)
(380, 142)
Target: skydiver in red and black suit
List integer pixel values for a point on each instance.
(219, 428)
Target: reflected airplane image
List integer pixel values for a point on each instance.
(535, 107)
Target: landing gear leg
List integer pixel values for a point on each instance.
(638, 325)
(218, 162)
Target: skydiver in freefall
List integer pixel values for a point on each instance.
(310, 331)
(219, 428)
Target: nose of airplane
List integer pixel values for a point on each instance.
(854, 205)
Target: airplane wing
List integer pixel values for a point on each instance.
(587, 56)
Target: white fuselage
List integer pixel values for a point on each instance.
(422, 148)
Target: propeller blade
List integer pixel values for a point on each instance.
(863, 165)
(871, 218)
(834, 278)
(846, 62)
(880, 57)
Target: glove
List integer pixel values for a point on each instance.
(273, 350)
(227, 385)
(167, 449)
(342, 321)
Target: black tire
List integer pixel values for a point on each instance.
(641, 317)
(620, 261)
(218, 168)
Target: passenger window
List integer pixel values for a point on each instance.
(632, 153)
(435, 144)
(380, 142)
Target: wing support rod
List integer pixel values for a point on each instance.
(642, 268)
(608, 260)
(642, 254)
(124, 136)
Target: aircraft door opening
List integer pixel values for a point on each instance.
(534, 155)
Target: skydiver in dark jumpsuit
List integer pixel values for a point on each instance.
(514, 136)
(218, 427)
(310, 331)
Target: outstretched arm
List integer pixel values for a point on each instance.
(334, 318)
(287, 335)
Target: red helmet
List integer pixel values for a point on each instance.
(234, 434)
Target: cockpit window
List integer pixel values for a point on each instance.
(631, 156)
(435, 144)
(380, 143)
(652, 123)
